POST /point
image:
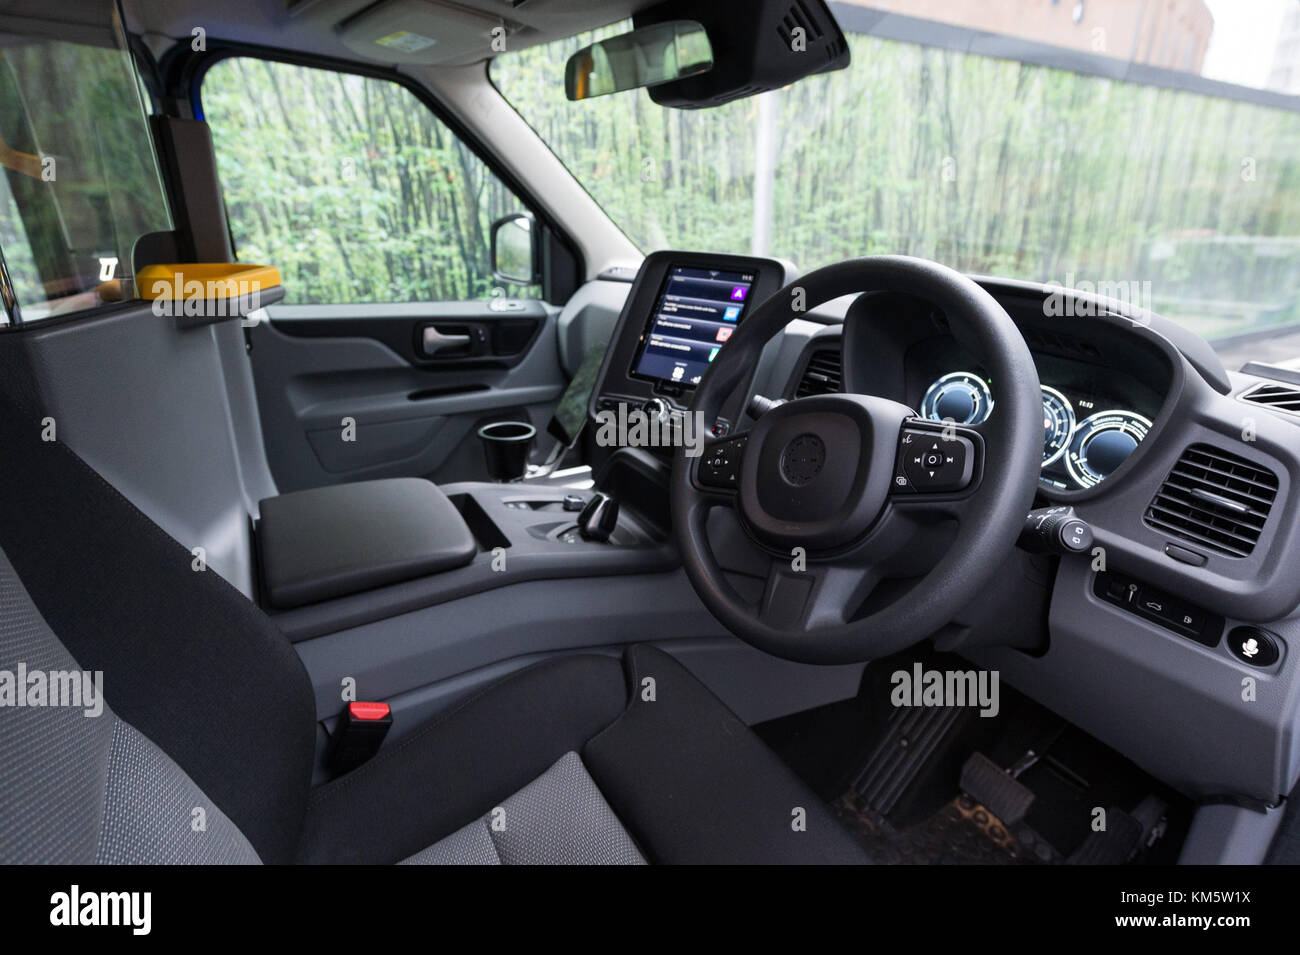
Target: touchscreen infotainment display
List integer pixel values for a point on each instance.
(698, 309)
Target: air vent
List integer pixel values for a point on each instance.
(1278, 396)
(1214, 499)
(822, 375)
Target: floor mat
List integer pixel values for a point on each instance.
(961, 832)
(894, 775)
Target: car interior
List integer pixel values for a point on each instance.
(426, 439)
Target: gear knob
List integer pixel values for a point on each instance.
(598, 518)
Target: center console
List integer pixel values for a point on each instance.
(680, 312)
(347, 555)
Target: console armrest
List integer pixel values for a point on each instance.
(331, 541)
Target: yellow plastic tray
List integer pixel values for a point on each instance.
(206, 280)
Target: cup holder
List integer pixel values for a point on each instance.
(506, 445)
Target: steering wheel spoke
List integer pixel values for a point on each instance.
(716, 471)
(936, 461)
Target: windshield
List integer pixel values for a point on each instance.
(1147, 153)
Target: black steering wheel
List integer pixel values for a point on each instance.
(874, 526)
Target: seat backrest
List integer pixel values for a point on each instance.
(80, 784)
(194, 673)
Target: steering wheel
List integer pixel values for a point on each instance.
(875, 527)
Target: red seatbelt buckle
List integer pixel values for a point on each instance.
(357, 737)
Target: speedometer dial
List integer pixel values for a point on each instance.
(961, 396)
(1058, 424)
(1103, 442)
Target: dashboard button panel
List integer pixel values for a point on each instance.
(931, 462)
(1159, 607)
(720, 464)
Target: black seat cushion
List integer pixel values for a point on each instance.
(693, 784)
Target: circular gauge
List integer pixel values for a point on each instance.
(1102, 442)
(960, 396)
(1058, 424)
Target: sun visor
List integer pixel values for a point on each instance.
(422, 31)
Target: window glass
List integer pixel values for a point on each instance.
(351, 186)
(1107, 145)
(79, 182)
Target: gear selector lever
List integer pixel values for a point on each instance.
(598, 518)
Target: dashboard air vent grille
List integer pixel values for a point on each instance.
(1279, 397)
(1214, 499)
(823, 375)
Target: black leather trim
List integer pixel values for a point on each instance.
(330, 541)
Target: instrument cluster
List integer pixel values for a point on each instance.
(1085, 438)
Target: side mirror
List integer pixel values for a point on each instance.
(648, 56)
(514, 250)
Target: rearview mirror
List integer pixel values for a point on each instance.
(649, 56)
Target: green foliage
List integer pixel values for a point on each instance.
(350, 186)
(988, 165)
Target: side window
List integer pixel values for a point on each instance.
(351, 187)
(79, 183)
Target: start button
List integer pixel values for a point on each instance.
(1254, 646)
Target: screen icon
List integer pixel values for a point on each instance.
(738, 292)
(731, 313)
(724, 333)
(713, 353)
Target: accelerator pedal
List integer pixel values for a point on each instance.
(997, 790)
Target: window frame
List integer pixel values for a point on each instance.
(182, 71)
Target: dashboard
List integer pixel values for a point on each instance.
(1091, 425)
(1133, 406)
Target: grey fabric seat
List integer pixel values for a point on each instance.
(201, 745)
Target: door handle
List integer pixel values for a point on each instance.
(434, 341)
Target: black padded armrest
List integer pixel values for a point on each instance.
(330, 541)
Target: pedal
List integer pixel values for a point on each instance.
(1123, 837)
(913, 736)
(998, 791)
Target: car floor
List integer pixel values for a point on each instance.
(946, 785)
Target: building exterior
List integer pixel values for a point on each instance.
(1172, 34)
(1284, 75)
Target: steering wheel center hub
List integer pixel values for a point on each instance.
(803, 459)
(818, 470)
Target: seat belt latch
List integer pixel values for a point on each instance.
(357, 737)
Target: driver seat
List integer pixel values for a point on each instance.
(203, 749)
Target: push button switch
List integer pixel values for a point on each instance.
(934, 462)
(720, 464)
(1252, 645)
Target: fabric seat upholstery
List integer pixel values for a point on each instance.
(205, 749)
